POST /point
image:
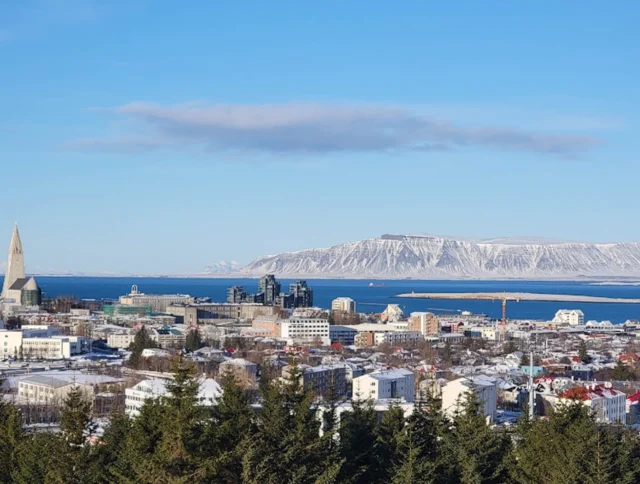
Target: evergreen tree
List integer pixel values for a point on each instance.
(286, 446)
(232, 423)
(35, 460)
(11, 437)
(479, 451)
(108, 453)
(388, 439)
(141, 341)
(621, 372)
(582, 352)
(193, 341)
(357, 440)
(179, 451)
(75, 418)
(419, 458)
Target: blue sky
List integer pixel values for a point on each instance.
(161, 136)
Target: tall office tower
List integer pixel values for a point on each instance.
(270, 288)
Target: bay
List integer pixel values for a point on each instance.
(373, 299)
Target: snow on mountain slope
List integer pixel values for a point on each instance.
(400, 256)
(222, 267)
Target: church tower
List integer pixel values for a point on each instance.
(15, 263)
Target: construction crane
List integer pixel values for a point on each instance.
(503, 325)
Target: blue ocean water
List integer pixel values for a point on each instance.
(371, 299)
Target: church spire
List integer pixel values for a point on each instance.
(15, 262)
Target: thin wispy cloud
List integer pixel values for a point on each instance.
(317, 129)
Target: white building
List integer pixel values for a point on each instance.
(298, 330)
(485, 388)
(121, 340)
(379, 406)
(344, 304)
(609, 405)
(571, 317)
(39, 343)
(244, 370)
(157, 302)
(135, 397)
(396, 384)
(486, 332)
(44, 390)
(399, 338)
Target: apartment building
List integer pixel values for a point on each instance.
(298, 330)
(485, 388)
(424, 322)
(387, 384)
(344, 304)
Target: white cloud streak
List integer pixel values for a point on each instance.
(317, 129)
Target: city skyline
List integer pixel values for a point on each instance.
(319, 125)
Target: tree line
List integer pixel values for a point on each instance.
(177, 439)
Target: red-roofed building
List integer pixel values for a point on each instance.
(633, 408)
(629, 359)
(608, 404)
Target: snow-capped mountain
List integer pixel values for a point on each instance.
(222, 267)
(423, 257)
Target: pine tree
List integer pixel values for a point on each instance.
(582, 352)
(193, 341)
(621, 372)
(357, 440)
(231, 425)
(141, 341)
(419, 451)
(11, 437)
(479, 451)
(179, 451)
(286, 446)
(75, 418)
(35, 460)
(108, 453)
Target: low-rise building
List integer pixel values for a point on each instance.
(121, 339)
(572, 317)
(168, 337)
(400, 338)
(299, 330)
(608, 404)
(387, 384)
(322, 379)
(267, 326)
(342, 334)
(157, 302)
(135, 397)
(243, 370)
(485, 388)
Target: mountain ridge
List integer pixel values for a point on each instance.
(396, 256)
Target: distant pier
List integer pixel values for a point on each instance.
(516, 296)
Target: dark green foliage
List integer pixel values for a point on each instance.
(226, 432)
(621, 372)
(476, 451)
(286, 446)
(357, 440)
(141, 342)
(176, 439)
(582, 352)
(193, 341)
(571, 447)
